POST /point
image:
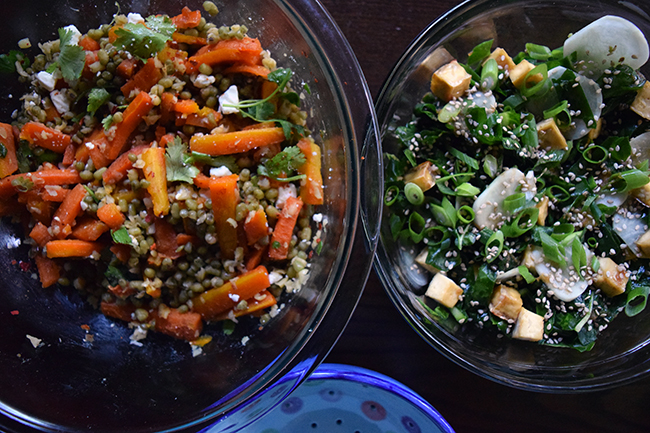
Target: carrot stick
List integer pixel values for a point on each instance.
(186, 106)
(155, 172)
(72, 248)
(283, 230)
(202, 181)
(311, 187)
(10, 185)
(68, 155)
(48, 270)
(55, 193)
(167, 103)
(132, 116)
(255, 70)
(8, 163)
(187, 18)
(126, 69)
(166, 239)
(121, 312)
(40, 135)
(184, 326)
(218, 300)
(187, 39)
(247, 50)
(40, 234)
(89, 229)
(39, 209)
(122, 252)
(206, 117)
(89, 44)
(260, 301)
(229, 143)
(144, 79)
(118, 168)
(255, 258)
(225, 197)
(111, 215)
(256, 226)
(68, 210)
(90, 58)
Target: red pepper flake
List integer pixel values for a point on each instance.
(13, 262)
(85, 327)
(24, 266)
(14, 312)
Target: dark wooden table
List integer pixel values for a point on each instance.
(378, 338)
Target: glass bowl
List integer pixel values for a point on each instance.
(69, 384)
(622, 352)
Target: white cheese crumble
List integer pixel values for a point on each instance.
(47, 80)
(60, 100)
(76, 34)
(203, 80)
(35, 341)
(229, 97)
(220, 171)
(284, 192)
(134, 18)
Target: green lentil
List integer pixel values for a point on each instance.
(210, 8)
(205, 69)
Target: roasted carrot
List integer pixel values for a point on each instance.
(144, 79)
(8, 162)
(155, 172)
(118, 168)
(229, 143)
(167, 103)
(89, 229)
(89, 44)
(68, 155)
(68, 210)
(48, 270)
(111, 215)
(117, 311)
(260, 301)
(247, 51)
(166, 239)
(218, 300)
(186, 106)
(184, 326)
(122, 252)
(40, 209)
(122, 292)
(10, 185)
(283, 230)
(97, 142)
(187, 39)
(87, 73)
(187, 18)
(72, 248)
(127, 68)
(311, 186)
(54, 193)
(256, 226)
(206, 117)
(40, 135)
(131, 118)
(225, 197)
(254, 257)
(40, 234)
(202, 181)
(241, 68)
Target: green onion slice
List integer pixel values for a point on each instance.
(515, 202)
(413, 193)
(494, 246)
(541, 85)
(465, 214)
(523, 270)
(417, 227)
(595, 154)
(391, 195)
(636, 300)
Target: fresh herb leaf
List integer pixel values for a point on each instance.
(145, 41)
(96, 98)
(121, 236)
(177, 161)
(107, 122)
(72, 57)
(214, 161)
(91, 193)
(8, 61)
(3, 151)
(284, 163)
(22, 184)
(113, 275)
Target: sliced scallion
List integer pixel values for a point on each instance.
(467, 190)
(494, 246)
(391, 195)
(489, 75)
(538, 87)
(636, 300)
(465, 214)
(449, 112)
(490, 165)
(595, 154)
(538, 52)
(515, 202)
(523, 270)
(417, 227)
(414, 194)
(628, 180)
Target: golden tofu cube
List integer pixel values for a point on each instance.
(529, 326)
(519, 72)
(444, 290)
(641, 104)
(542, 205)
(644, 243)
(450, 81)
(528, 260)
(421, 259)
(424, 175)
(595, 132)
(610, 279)
(504, 61)
(549, 135)
(505, 303)
(643, 194)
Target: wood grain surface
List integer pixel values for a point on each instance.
(378, 338)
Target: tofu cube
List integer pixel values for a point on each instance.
(450, 81)
(643, 194)
(549, 135)
(421, 259)
(542, 205)
(519, 72)
(424, 175)
(641, 104)
(610, 279)
(529, 326)
(502, 58)
(644, 243)
(595, 132)
(505, 303)
(528, 260)
(444, 290)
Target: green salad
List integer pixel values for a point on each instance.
(522, 181)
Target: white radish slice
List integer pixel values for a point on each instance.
(565, 284)
(630, 227)
(607, 42)
(640, 148)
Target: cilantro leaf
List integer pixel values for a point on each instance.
(113, 275)
(179, 166)
(107, 122)
(228, 161)
(8, 61)
(72, 57)
(143, 41)
(285, 162)
(121, 236)
(96, 98)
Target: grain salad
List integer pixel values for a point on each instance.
(521, 187)
(162, 166)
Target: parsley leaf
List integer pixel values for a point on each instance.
(107, 122)
(285, 162)
(72, 57)
(121, 236)
(8, 61)
(144, 41)
(96, 98)
(179, 166)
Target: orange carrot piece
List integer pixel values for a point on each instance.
(247, 50)
(122, 292)
(225, 197)
(89, 229)
(39, 209)
(54, 193)
(127, 68)
(311, 187)
(167, 103)
(40, 234)
(206, 117)
(68, 155)
(121, 312)
(283, 230)
(166, 239)
(8, 163)
(68, 210)
(187, 39)
(89, 44)
(184, 326)
(202, 181)
(144, 79)
(260, 301)
(97, 142)
(218, 300)
(156, 173)
(255, 70)
(118, 168)
(10, 185)
(72, 248)
(122, 252)
(48, 270)
(132, 116)
(87, 73)
(40, 135)
(111, 215)
(229, 143)
(256, 226)
(255, 257)
(187, 18)
(186, 106)
(184, 238)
